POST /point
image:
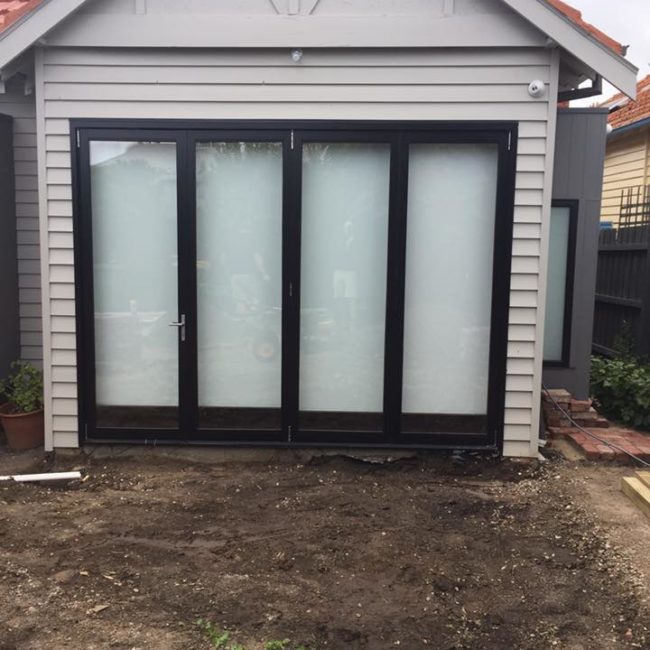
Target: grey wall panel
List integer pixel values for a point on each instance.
(21, 107)
(578, 175)
(9, 343)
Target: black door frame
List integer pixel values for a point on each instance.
(368, 135)
(195, 136)
(292, 133)
(573, 205)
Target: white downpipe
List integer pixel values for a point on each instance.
(50, 476)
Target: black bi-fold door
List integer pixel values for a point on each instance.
(293, 283)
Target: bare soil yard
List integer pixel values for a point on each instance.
(330, 553)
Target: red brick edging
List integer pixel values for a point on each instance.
(582, 411)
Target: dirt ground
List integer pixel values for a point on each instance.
(329, 552)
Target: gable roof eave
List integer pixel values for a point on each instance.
(32, 26)
(620, 72)
(575, 16)
(12, 10)
(29, 28)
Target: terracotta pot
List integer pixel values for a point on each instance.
(23, 430)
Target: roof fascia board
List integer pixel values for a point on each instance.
(589, 110)
(617, 70)
(30, 28)
(628, 128)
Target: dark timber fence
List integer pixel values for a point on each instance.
(622, 313)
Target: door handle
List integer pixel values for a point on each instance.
(181, 326)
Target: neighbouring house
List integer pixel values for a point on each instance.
(289, 222)
(622, 316)
(627, 159)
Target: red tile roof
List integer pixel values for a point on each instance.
(12, 10)
(624, 111)
(576, 17)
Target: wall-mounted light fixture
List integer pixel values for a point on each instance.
(296, 55)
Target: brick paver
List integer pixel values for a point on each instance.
(583, 413)
(631, 441)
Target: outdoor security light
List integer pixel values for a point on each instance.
(536, 88)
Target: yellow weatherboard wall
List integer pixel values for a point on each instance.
(627, 164)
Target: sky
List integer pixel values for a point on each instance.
(627, 21)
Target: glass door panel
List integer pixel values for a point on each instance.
(239, 275)
(235, 282)
(135, 281)
(448, 287)
(344, 239)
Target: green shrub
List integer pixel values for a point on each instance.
(23, 389)
(622, 388)
(625, 341)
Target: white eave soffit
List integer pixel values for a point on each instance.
(614, 68)
(620, 72)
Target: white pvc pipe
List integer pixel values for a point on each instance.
(50, 476)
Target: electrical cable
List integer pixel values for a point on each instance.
(593, 435)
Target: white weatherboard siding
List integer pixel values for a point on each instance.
(427, 84)
(22, 108)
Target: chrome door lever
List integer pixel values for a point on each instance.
(181, 325)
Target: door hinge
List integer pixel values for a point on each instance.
(78, 139)
(86, 430)
(292, 140)
(290, 429)
(290, 289)
(509, 140)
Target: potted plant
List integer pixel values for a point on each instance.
(22, 420)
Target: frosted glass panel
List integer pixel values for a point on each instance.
(449, 259)
(343, 281)
(239, 246)
(133, 186)
(556, 285)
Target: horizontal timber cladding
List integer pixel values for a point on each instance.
(627, 164)
(22, 108)
(428, 84)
